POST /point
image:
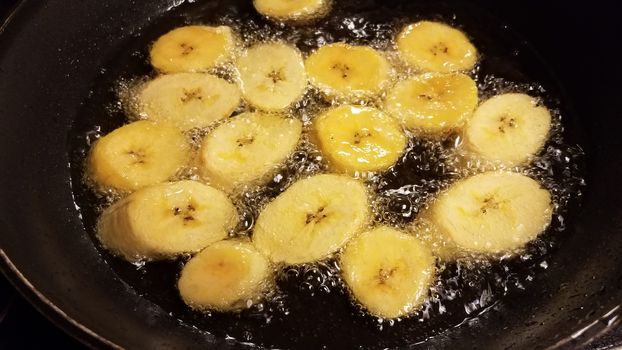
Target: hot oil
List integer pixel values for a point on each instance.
(310, 306)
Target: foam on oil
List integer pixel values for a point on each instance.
(310, 298)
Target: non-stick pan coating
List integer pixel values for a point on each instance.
(50, 54)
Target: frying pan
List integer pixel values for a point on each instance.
(52, 52)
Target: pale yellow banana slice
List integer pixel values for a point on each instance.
(433, 102)
(273, 76)
(493, 212)
(292, 10)
(359, 139)
(436, 47)
(508, 128)
(165, 220)
(348, 71)
(388, 272)
(192, 49)
(138, 154)
(247, 148)
(312, 219)
(188, 100)
(226, 276)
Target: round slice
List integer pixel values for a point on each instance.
(226, 276)
(165, 220)
(138, 154)
(508, 128)
(312, 219)
(436, 47)
(273, 76)
(292, 10)
(359, 139)
(188, 100)
(493, 212)
(348, 71)
(247, 148)
(388, 272)
(433, 102)
(192, 49)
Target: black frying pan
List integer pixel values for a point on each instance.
(51, 80)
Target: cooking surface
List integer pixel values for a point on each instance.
(605, 78)
(310, 299)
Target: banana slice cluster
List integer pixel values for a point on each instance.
(186, 95)
(388, 271)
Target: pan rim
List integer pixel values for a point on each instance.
(50, 310)
(24, 286)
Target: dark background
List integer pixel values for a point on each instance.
(22, 327)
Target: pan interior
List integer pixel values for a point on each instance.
(312, 308)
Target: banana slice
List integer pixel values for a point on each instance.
(387, 271)
(433, 102)
(138, 154)
(167, 219)
(436, 47)
(508, 128)
(344, 70)
(273, 76)
(188, 100)
(493, 212)
(192, 49)
(248, 148)
(292, 10)
(359, 139)
(312, 219)
(226, 276)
